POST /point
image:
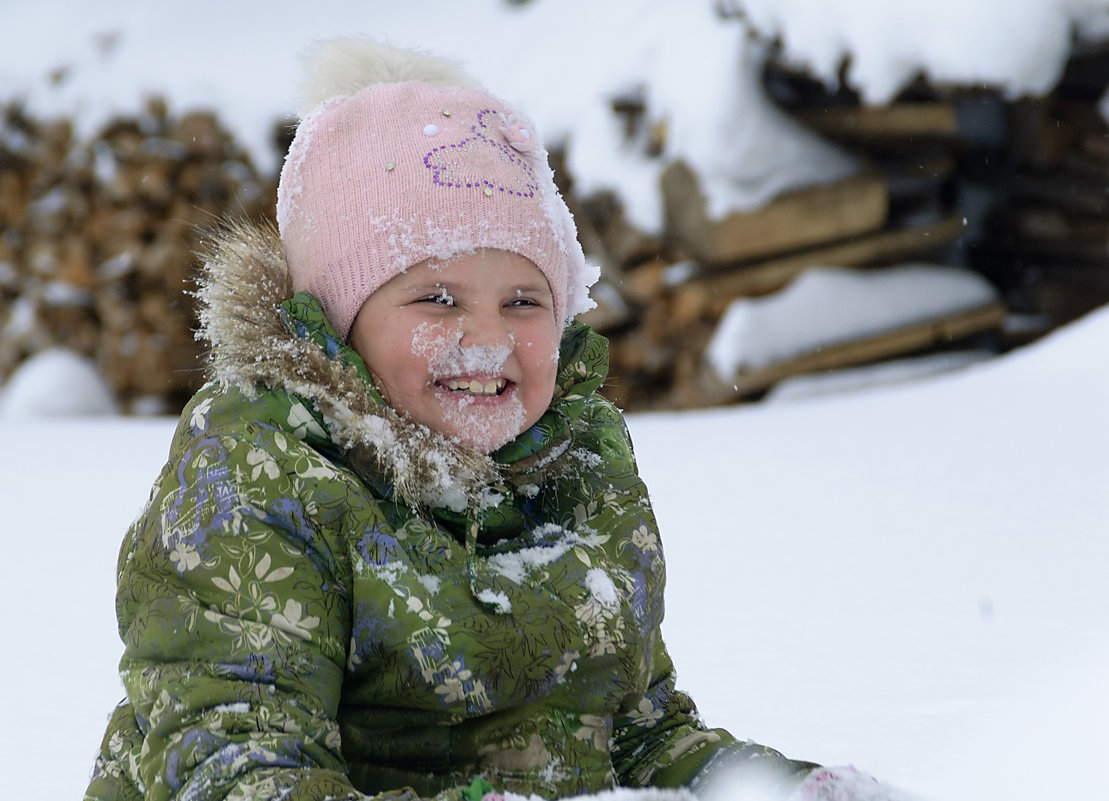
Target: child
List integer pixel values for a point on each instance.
(400, 548)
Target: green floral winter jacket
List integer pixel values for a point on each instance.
(324, 600)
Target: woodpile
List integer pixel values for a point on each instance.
(1016, 191)
(902, 207)
(97, 241)
(1046, 241)
(96, 238)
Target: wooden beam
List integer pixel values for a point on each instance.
(792, 221)
(898, 121)
(849, 354)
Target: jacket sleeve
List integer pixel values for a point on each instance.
(234, 610)
(662, 742)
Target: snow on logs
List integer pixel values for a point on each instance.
(1009, 192)
(96, 242)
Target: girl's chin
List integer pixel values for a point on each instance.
(482, 422)
(482, 439)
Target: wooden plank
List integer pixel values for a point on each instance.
(902, 341)
(896, 121)
(711, 294)
(792, 221)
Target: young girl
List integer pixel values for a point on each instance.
(400, 548)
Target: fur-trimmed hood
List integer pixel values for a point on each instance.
(260, 337)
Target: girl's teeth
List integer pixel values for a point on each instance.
(475, 387)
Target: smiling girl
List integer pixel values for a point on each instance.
(400, 548)
(468, 348)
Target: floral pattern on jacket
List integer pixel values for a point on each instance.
(312, 609)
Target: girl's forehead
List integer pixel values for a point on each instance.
(484, 269)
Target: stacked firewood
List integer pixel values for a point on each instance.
(97, 237)
(1015, 190)
(1046, 239)
(903, 206)
(97, 242)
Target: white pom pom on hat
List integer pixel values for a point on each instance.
(400, 157)
(345, 66)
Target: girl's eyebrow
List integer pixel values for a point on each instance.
(536, 287)
(428, 286)
(453, 287)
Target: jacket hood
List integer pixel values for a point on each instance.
(262, 337)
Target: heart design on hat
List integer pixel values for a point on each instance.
(479, 162)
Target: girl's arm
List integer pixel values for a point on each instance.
(234, 610)
(663, 742)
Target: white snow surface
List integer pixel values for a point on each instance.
(561, 61)
(909, 580)
(56, 382)
(852, 379)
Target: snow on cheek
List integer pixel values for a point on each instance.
(434, 342)
(482, 426)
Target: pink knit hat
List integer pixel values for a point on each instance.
(404, 170)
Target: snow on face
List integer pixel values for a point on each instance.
(470, 407)
(468, 347)
(445, 355)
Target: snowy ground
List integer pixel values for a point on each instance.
(908, 579)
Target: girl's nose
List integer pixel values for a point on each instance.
(484, 328)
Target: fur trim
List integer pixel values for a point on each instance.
(245, 279)
(345, 66)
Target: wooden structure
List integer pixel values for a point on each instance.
(96, 237)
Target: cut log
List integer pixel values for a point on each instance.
(1097, 146)
(896, 121)
(900, 342)
(1065, 292)
(793, 221)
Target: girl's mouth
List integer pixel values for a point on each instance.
(475, 386)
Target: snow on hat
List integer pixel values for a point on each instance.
(401, 159)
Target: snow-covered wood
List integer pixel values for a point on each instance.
(792, 221)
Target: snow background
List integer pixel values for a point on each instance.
(908, 578)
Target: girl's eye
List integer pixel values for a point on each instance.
(441, 298)
(522, 303)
